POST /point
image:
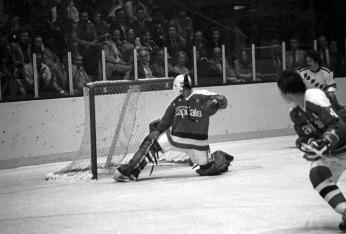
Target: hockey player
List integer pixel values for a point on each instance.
(184, 127)
(317, 76)
(321, 136)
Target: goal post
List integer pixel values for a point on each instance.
(117, 117)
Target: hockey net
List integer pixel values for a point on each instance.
(117, 117)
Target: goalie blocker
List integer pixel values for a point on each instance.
(184, 127)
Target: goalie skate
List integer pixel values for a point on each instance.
(123, 178)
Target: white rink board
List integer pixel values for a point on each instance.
(56, 126)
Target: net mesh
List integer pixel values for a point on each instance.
(122, 120)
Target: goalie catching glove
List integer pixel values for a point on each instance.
(314, 149)
(215, 103)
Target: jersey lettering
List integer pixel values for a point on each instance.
(182, 111)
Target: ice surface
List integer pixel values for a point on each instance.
(267, 190)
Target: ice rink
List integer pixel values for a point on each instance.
(266, 190)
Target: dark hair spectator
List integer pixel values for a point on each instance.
(79, 75)
(180, 60)
(116, 67)
(100, 25)
(200, 42)
(243, 66)
(215, 69)
(214, 41)
(158, 65)
(72, 12)
(276, 55)
(144, 67)
(322, 46)
(148, 43)
(60, 72)
(129, 44)
(13, 28)
(120, 22)
(115, 5)
(159, 27)
(141, 24)
(49, 58)
(183, 24)
(131, 7)
(294, 56)
(174, 41)
(9, 85)
(86, 36)
(20, 55)
(335, 59)
(47, 84)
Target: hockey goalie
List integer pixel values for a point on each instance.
(184, 127)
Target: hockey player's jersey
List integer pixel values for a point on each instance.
(187, 117)
(322, 79)
(318, 117)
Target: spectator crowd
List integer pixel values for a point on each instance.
(117, 28)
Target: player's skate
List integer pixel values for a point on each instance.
(342, 224)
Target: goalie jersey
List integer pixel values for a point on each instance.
(187, 116)
(317, 118)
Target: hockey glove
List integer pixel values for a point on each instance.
(153, 135)
(302, 140)
(315, 148)
(221, 101)
(211, 106)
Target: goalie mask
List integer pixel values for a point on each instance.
(182, 81)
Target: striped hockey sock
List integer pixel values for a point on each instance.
(328, 190)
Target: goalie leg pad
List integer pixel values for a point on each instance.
(138, 161)
(218, 165)
(149, 148)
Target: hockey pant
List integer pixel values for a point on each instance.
(198, 152)
(324, 175)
